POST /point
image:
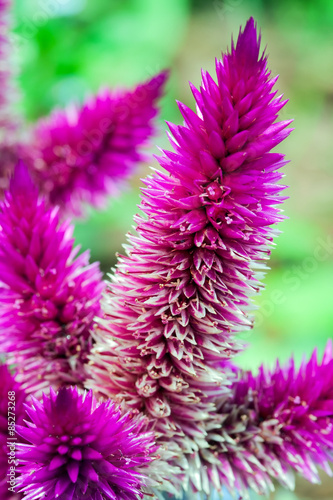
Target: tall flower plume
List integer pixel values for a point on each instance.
(274, 424)
(181, 294)
(12, 398)
(48, 296)
(80, 449)
(81, 155)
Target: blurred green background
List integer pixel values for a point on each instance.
(69, 48)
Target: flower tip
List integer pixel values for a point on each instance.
(248, 43)
(21, 181)
(250, 31)
(162, 78)
(164, 75)
(250, 24)
(64, 398)
(157, 83)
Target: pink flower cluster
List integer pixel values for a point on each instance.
(167, 410)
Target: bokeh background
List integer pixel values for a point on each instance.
(67, 49)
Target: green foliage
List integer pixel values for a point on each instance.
(117, 43)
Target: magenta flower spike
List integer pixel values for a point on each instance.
(273, 424)
(81, 450)
(81, 155)
(179, 297)
(12, 398)
(48, 296)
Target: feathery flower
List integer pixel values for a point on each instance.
(83, 450)
(178, 298)
(48, 297)
(12, 397)
(81, 155)
(273, 424)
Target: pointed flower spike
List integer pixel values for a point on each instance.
(48, 298)
(275, 423)
(80, 156)
(182, 293)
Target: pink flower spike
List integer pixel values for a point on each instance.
(79, 156)
(48, 298)
(178, 299)
(275, 423)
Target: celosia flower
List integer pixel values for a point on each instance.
(48, 297)
(182, 293)
(12, 397)
(273, 424)
(81, 155)
(81, 450)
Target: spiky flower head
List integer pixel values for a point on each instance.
(274, 424)
(48, 296)
(80, 449)
(80, 155)
(182, 293)
(12, 398)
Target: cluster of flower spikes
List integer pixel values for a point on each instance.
(175, 304)
(49, 302)
(183, 291)
(78, 449)
(12, 398)
(49, 297)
